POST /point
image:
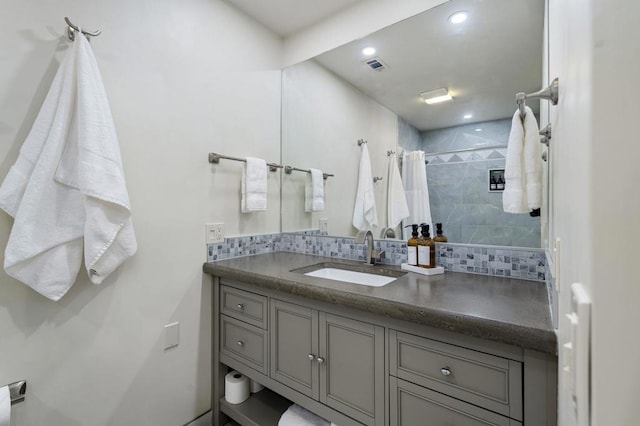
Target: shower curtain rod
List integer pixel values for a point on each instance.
(455, 151)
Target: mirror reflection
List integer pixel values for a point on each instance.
(348, 94)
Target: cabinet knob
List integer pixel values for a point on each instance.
(311, 357)
(320, 360)
(240, 343)
(241, 306)
(446, 371)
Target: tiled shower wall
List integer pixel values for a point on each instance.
(522, 263)
(458, 185)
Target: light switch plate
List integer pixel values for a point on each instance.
(581, 348)
(324, 225)
(171, 335)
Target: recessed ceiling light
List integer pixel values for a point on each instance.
(478, 129)
(368, 51)
(468, 116)
(458, 17)
(436, 96)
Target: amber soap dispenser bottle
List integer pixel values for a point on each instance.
(412, 246)
(426, 249)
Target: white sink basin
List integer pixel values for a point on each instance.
(351, 276)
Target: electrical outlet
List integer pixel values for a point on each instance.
(214, 233)
(324, 225)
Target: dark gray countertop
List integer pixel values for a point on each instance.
(501, 309)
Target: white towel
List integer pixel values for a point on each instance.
(314, 191)
(5, 406)
(523, 167)
(67, 188)
(298, 416)
(414, 176)
(254, 185)
(365, 215)
(397, 208)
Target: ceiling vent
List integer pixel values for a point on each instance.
(375, 64)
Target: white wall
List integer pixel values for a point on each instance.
(183, 78)
(323, 117)
(595, 51)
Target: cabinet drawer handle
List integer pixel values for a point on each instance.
(241, 306)
(446, 371)
(240, 343)
(311, 357)
(320, 360)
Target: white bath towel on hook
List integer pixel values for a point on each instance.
(523, 165)
(67, 188)
(365, 215)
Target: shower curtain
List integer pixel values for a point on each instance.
(414, 176)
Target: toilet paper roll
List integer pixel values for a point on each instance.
(5, 406)
(256, 387)
(236, 388)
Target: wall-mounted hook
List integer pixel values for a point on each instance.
(376, 179)
(17, 391)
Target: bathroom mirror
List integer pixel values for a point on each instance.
(341, 96)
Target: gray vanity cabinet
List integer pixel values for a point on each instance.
(336, 360)
(356, 368)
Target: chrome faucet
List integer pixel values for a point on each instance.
(372, 255)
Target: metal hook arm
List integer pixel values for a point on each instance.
(74, 28)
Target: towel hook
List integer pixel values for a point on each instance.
(361, 142)
(17, 391)
(376, 179)
(72, 29)
(549, 93)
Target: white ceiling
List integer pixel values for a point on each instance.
(483, 62)
(287, 17)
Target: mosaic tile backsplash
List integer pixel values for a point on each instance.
(521, 263)
(524, 263)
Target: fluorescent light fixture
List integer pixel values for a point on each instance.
(458, 17)
(468, 116)
(368, 51)
(436, 96)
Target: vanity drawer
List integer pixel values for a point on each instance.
(481, 379)
(243, 342)
(411, 404)
(248, 307)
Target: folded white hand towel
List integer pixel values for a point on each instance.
(397, 208)
(298, 416)
(365, 215)
(254, 185)
(314, 191)
(523, 167)
(67, 188)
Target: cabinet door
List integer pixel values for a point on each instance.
(414, 405)
(352, 368)
(294, 347)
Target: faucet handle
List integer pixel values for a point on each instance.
(375, 254)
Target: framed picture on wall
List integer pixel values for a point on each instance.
(495, 181)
